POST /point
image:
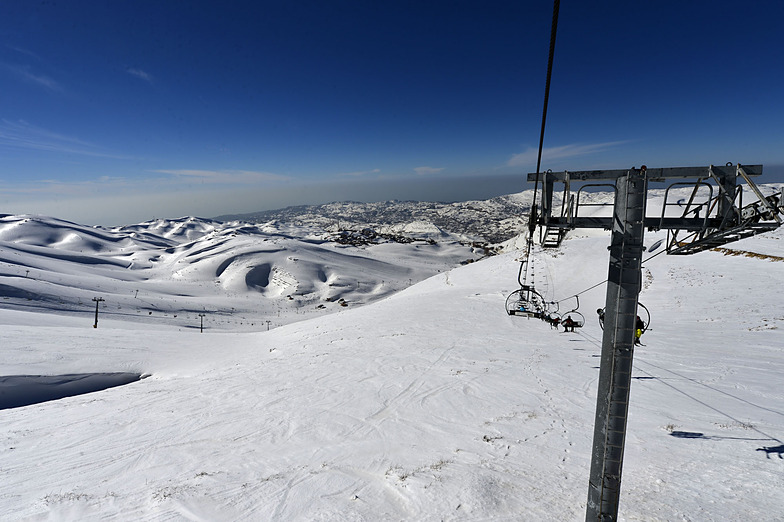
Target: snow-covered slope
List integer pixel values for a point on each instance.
(241, 275)
(431, 404)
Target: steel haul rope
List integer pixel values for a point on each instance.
(532, 220)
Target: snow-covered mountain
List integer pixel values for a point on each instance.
(429, 404)
(238, 273)
(493, 220)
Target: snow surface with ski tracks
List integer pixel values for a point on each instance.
(426, 403)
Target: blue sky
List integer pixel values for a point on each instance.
(115, 112)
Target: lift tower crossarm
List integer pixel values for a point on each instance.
(725, 176)
(652, 174)
(721, 219)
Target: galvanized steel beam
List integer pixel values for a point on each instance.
(652, 174)
(615, 374)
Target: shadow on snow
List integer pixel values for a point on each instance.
(24, 390)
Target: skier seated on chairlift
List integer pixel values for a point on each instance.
(569, 324)
(554, 322)
(639, 328)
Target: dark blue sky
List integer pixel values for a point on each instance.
(118, 111)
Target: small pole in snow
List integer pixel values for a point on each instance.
(97, 300)
(201, 324)
(268, 323)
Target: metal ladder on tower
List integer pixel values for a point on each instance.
(553, 237)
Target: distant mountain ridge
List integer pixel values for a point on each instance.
(494, 220)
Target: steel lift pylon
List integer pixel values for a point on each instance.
(707, 220)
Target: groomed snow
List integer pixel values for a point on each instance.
(429, 404)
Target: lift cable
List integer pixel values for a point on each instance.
(556, 6)
(600, 283)
(532, 220)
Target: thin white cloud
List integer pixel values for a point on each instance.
(423, 171)
(529, 157)
(111, 179)
(26, 52)
(227, 177)
(147, 77)
(25, 74)
(56, 189)
(360, 173)
(173, 183)
(23, 135)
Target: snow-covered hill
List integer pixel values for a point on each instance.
(494, 220)
(241, 275)
(430, 404)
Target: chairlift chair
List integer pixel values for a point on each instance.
(553, 316)
(646, 318)
(577, 317)
(526, 302)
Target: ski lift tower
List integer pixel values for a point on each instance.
(713, 215)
